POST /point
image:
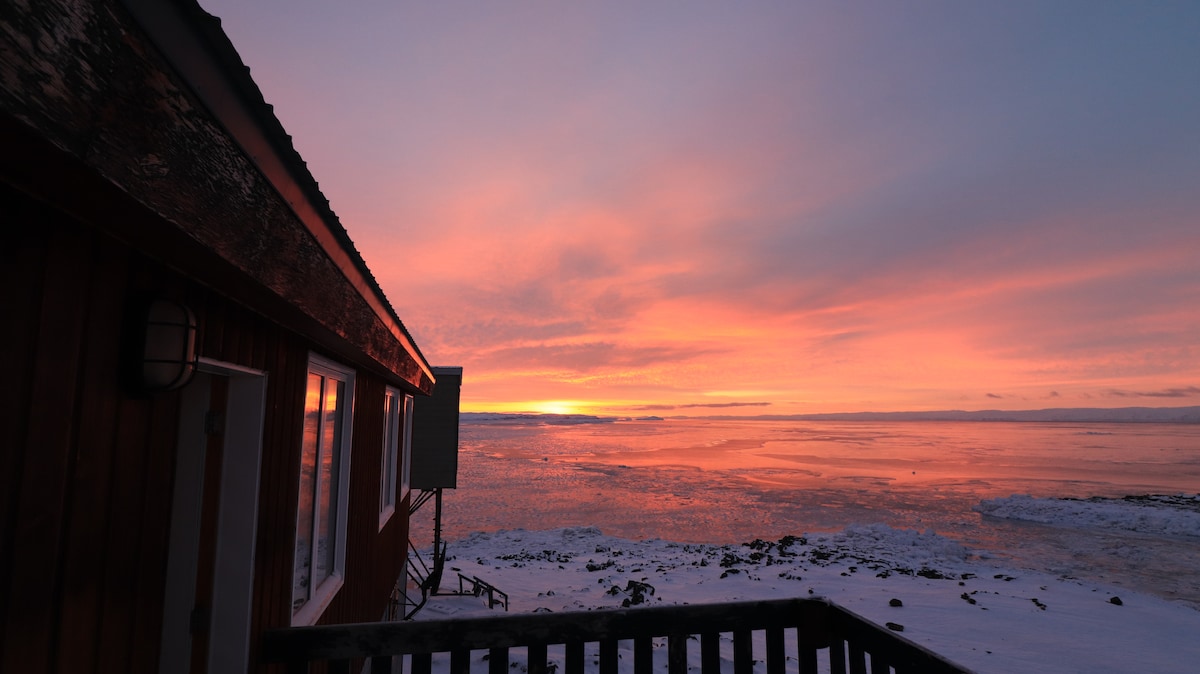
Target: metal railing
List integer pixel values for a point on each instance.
(477, 587)
(768, 637)
(419, 581)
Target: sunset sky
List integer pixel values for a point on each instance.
(763, 207)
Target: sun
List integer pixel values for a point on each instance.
(557, 407)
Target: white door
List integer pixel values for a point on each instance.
(210, 565)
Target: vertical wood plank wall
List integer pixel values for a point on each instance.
(85, 494)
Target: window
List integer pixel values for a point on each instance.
(324, 485)
(406, 447)
(394, 463)
(388, 471)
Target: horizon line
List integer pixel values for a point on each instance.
(1190, 412)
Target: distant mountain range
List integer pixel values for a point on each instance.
(1174, 415)
(1180, 415)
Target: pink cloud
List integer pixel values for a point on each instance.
(850, 209)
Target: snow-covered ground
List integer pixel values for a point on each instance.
(954, 601)
(1177, 515)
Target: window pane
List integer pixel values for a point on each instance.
(387, 480)
(302, 576)
(393, 442)
(327, 481)
(406, 445)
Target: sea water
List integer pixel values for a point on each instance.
(728, 481)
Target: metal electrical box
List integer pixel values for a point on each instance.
(435, 433)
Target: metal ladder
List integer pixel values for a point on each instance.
(422, 579)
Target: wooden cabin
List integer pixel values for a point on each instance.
(206, 391)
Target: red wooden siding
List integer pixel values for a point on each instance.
(118, 183)
(85, 525)
(85, 500)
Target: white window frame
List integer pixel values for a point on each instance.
(389, 465)
(406, 449)
(397, 446)
(321, 595)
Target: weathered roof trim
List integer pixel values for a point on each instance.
(193, 42)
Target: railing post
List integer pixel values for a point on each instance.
(536, 658)
(743, 652)
(643, 655)
(498, 660)
(837, 656)
(807, 656)
(608, 656)
(858, 658)
(677, 654)
(776, 656)
(574, 657)
(710, 653)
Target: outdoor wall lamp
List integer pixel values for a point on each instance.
(169, 350)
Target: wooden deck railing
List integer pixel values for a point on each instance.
(767, 637)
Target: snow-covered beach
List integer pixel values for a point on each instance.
(984, 617)
(1004, 554)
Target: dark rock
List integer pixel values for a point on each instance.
(1117, 601)
(895, 603)
(895, 627)
(638, 590)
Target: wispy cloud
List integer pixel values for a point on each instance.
(665, 407)
(1184, 392)
(851, 207)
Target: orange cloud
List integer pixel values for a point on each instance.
(593, 208)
